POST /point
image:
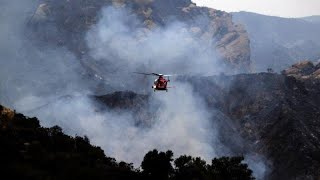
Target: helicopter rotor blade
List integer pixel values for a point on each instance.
(149, 74)
(166, 75)
(155, 74)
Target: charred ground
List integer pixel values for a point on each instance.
(277, 115)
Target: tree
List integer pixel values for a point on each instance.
(157, 165)
(55, 130)
(230, 168)
(188, 167)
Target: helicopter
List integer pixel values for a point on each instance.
(159, 84)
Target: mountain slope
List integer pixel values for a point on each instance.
(65, 23)
(279, 42)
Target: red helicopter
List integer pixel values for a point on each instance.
(160, 84)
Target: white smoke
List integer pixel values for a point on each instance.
(183, 124)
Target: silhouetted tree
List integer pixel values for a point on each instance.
(188, 167)
(55, 130)
(157, 165)
(225, 168)
(86, 139)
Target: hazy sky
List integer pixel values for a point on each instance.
(283, 8)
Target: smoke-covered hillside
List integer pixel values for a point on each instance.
(190, 33)
(279, 42)
(273, 118)
(71, 63)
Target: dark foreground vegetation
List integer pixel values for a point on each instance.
(29, 151)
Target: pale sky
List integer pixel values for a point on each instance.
(282, 8)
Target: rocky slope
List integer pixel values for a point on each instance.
(64, 23)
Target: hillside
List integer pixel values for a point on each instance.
(274, 115)
(279, 42)
(65, 23)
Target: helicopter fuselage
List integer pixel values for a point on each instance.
(160, 84)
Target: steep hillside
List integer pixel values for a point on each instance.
(279, 42)
(278, 115)
(65, 23)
